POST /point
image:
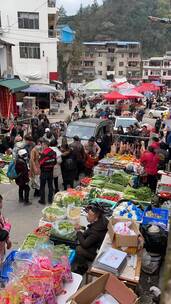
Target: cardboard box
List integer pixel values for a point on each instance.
(123, 240)
(107, 283)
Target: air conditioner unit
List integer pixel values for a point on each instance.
(7, 75)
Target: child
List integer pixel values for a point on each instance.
(5, 228)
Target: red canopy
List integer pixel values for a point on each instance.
(114, 96)
(131, 94)
(147, 87)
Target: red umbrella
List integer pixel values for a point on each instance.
(147, 87)
(114, 96)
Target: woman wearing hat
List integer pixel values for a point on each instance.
(91, 239)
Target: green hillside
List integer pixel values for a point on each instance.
(124, 20)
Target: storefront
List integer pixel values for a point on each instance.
(8, 88)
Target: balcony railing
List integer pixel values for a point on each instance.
(51, 3)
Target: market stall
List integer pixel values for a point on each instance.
(49, 250)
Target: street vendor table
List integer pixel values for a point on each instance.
(70, 288)
(130, 274)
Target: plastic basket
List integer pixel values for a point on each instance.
(163, 213)
(6, 268)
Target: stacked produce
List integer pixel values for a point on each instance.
(140, 194)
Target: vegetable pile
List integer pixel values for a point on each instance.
(64, 230)
(51, 214)
(31, 241)
(120, 178)
(141, 194)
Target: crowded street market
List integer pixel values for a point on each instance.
(101, 176)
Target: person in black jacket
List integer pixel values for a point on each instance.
(22, 179)
(91, 239)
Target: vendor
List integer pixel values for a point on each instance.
(91, 239)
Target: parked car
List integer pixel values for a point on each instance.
(86, 128)
(158, 112)
(125, 122)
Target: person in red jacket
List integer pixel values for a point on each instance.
(150, 160)
(47, 163)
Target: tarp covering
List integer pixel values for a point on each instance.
(114, 96)
(123, 85)
(40, 88)
(147, 87)
(131, 94)
(14, 85)
(98, 85)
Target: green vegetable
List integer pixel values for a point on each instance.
(31, 240)
(141, 194)
(61, 250)
(120, 178)
(69, 200)
(115, 187)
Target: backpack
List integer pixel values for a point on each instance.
(11, 172)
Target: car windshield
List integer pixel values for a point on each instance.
(125, 122)
(84, 132)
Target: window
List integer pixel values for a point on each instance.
(120, 73)
(88, 63)
(28, 20)
(0, 19)
(164, 73)
(100, 73)
(100, 54)
(169, 73)
(112, 59)
(122, 55)
(146, 73)
(111, 50)
(29, 50)
(121, 64)
(100, 63)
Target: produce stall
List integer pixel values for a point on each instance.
(47, 252)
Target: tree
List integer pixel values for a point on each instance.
(69, 56)
(62, 12)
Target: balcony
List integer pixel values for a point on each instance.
(52, 3)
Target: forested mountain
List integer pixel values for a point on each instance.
(124, 20)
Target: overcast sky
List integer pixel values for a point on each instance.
(72, 6)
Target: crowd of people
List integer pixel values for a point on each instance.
(40, 159)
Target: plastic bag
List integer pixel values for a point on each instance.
(154, 242)
(64, 230)
(67, 275)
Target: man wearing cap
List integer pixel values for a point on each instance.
(48, 135)
(47, 163)
(22, 179)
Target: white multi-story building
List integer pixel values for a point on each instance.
(112, 59)
(158, 68)
(31, 27)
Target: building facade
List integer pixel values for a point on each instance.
(31, 27)
(158, 68)
(111, 59)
